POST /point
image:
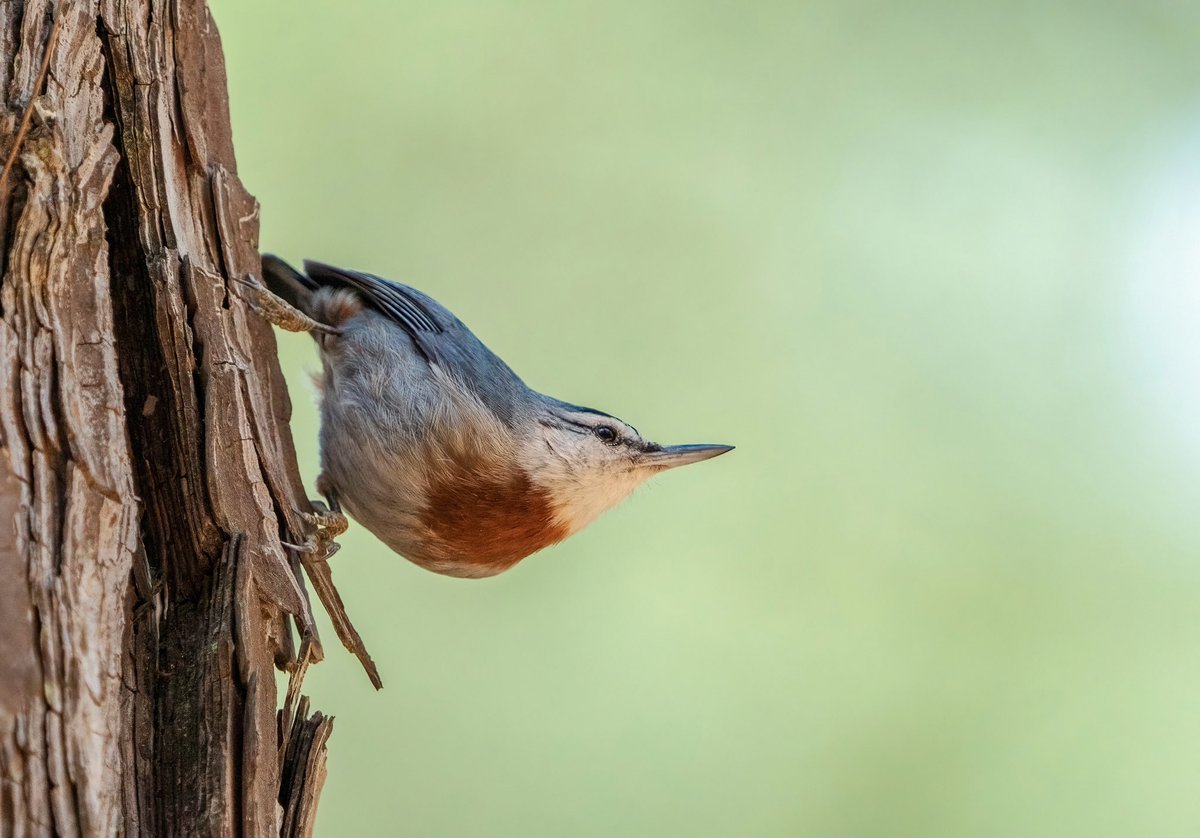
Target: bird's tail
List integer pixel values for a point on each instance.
(285, 281)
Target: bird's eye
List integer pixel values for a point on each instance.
(605, 433)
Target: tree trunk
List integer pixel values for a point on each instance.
(146, 462)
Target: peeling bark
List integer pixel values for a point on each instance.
(147, 475)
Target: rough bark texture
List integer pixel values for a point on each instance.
(146, 471)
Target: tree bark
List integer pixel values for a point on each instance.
(146, 463)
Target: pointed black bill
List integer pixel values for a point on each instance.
(671, 456)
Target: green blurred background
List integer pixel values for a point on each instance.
(932, 268)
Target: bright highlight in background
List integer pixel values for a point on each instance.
(930, 266)
(1164, 282)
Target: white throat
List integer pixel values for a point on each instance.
(579, 492)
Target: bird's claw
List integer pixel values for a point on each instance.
(331, 522)
(275, 309)
(326, 525)
(321, 548)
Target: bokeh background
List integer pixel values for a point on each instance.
(931, 266)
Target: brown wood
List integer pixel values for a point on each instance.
(147, 474)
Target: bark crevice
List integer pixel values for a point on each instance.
(147, 472)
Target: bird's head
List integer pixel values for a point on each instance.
(588, 461)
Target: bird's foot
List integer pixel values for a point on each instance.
(331, 522)
(327, 525)
(276, 310)
(320, 547)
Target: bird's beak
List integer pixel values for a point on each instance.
(670, 456)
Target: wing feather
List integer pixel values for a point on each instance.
(399, 302)
(436, 333)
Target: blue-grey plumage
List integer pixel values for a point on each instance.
(436, 446)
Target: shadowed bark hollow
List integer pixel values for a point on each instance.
(147, 475)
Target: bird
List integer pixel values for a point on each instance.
(432, 443)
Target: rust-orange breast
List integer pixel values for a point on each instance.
(487, 523)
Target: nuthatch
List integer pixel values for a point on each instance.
(432, 443)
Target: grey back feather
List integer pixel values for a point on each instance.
(435, 332)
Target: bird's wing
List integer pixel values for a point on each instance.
(435, 331)
(407, 306)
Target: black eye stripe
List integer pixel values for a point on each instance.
(570, 423)
(568, 426)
